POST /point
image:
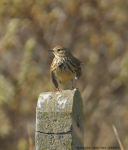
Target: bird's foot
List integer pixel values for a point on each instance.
(71, 88)
(57, 89)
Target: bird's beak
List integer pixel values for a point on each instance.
(50, 50)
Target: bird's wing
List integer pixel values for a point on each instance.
(79, 72)
(54, 80)
(77, 61)
(78, 64)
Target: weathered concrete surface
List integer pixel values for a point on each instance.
(55, 114)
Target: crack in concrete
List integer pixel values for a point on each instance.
(61, 133)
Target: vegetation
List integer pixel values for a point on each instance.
(96, 32)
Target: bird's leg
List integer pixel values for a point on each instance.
(58, 86)
(72, 85)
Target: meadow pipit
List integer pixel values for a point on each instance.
(64, 66)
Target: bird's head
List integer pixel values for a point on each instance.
(60, 51)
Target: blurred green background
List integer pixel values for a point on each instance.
(96, 32)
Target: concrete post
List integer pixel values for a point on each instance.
(59, 121)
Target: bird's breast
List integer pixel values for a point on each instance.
(65, 71)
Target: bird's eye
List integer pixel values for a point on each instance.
(58, 50)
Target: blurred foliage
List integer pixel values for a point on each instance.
(96, 32)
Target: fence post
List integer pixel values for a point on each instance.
(59, 121)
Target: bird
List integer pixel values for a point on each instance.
(64, 67)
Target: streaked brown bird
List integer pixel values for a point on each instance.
(64, 67)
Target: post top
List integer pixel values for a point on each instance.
(57, 101)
